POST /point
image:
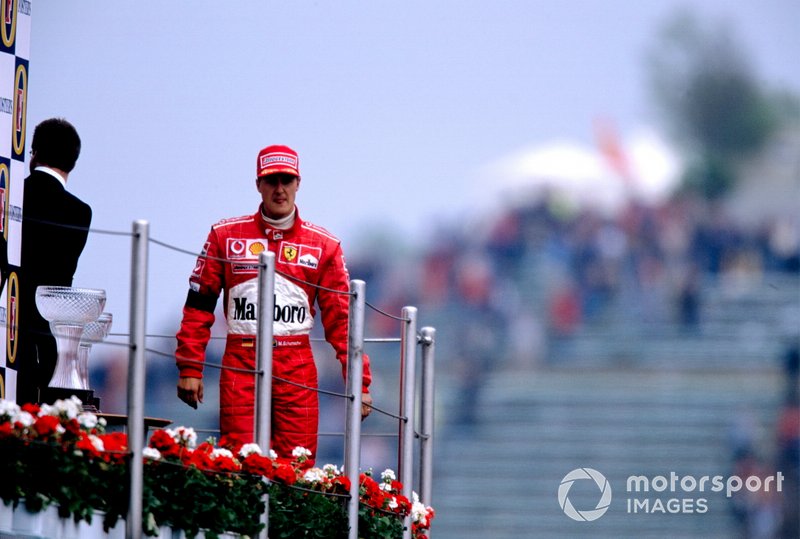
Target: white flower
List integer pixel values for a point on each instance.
(151, 453)
(314, 475)
(102, 422)
(185, 435)
(97, 442)
(8, 408)
(69, 408)
(387, 475)
(393, 503)
(331, 470)
(386, 487)
(87, 420)
(249, 449)
(272, 454)
(72, 407)
(25, 419)
(419, 513)
(47, 409)
(220, 452)
(301, 452)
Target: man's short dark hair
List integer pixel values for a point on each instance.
(56, 144)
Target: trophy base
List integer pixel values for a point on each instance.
(91, 403)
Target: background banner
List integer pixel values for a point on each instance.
(14, 67)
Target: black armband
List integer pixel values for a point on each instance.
(202, 302)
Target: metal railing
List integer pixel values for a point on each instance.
(409, 339)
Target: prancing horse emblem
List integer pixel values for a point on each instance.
(289, 252)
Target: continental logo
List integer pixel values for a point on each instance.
(20, 106)
(4, 200)
(12, 317)
(10, 22)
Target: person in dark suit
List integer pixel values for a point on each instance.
(55, 226)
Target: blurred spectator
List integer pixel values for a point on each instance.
(480, 335)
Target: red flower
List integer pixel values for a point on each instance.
(258, 464)
(403, 505)
(31, 408)
(6, 430)
(199, 459)
(225, 464)
(85, 444)
(205, 447)
(115, 445)
(162, 441)
(73, 427)
(342, 481)
(285, 473)
(371, 493)
(46, 425)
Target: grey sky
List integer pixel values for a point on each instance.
(393, 106)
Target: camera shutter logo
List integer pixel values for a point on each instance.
(602, 505)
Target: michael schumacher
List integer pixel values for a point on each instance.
(310, 269)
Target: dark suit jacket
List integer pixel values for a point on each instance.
(54, 231)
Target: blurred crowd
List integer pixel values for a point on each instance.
(542, 271)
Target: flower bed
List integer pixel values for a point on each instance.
(61, 456)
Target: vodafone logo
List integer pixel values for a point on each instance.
(581, 474)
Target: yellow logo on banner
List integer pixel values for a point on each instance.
(12, 317)
(9, 22)
(289, 252)
(20, 106)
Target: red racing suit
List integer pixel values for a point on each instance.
(305, 255)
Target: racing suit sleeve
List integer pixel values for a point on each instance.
(334, 311)
(205, 284)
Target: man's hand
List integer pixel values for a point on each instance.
(190, 390)
(366, 405)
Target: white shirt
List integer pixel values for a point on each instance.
(53, 173)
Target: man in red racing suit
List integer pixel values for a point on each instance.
(310, 269)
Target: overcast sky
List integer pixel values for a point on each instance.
(394, 107)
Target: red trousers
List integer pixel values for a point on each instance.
(295, 410)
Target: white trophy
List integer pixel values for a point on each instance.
(68, 310)
(93, 333)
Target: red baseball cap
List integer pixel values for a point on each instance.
(277, 158)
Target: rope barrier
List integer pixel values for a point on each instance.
(76, 227)
(393, 317)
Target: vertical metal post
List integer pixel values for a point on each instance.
(405, 453)
(427, 415)
(355, 370)
(136, 375)
(263, 395)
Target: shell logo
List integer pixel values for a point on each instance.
(256, 248)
